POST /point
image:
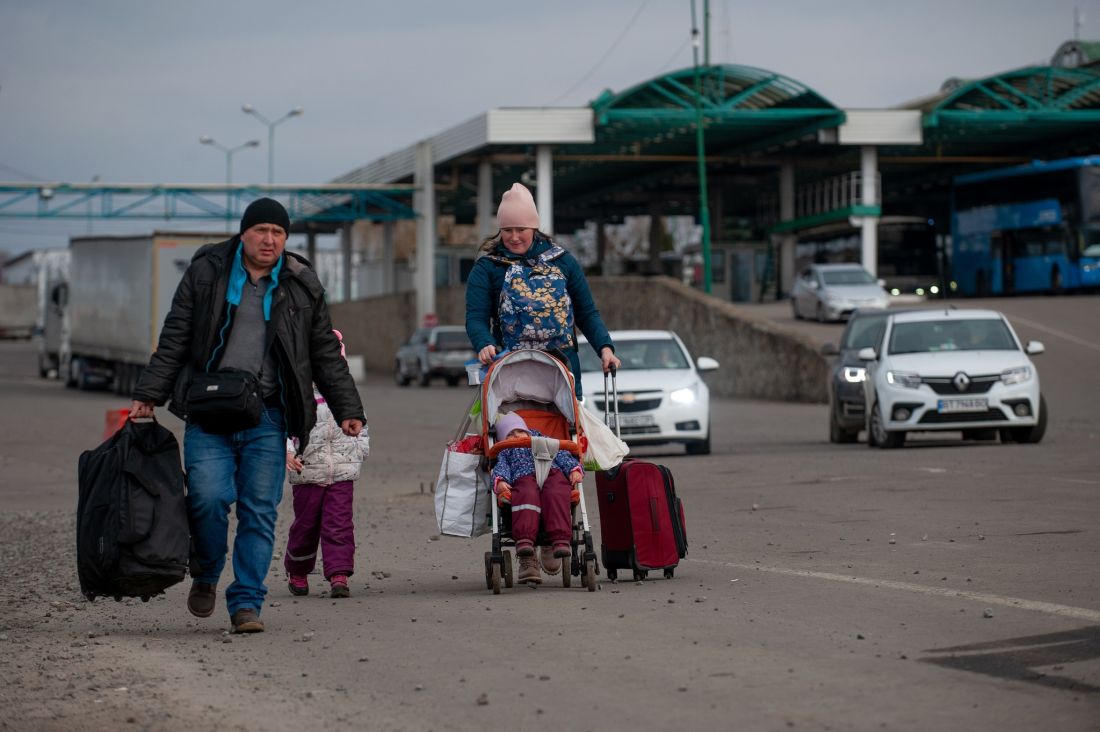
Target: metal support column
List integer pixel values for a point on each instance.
(868, 165)
(544, 179)
(311, 247)
(786, 241)
(389, 265)
(485, 222)
(424, 203)
(345, 262)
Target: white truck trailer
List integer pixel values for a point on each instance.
(120, 288)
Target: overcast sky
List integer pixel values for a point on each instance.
(123, 89)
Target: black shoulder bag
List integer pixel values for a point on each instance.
(226, 401)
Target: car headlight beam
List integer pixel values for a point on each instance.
(855, 374)
(1017, 375)
(683, 396)
(903, 378)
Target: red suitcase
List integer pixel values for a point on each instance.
(642, 525)
(641, 520)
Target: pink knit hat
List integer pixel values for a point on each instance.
(509, 422)
(517, 209)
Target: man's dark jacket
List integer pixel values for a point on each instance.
(299, 332)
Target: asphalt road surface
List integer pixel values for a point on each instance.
(947, 585)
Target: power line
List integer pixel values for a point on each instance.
(607, 53)
(668, 64)
(20, 173)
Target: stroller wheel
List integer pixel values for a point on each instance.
(508, 577)
(495, 579)
(488, 571)
(589, 579)
(566, 574)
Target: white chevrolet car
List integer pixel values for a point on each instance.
(662, 397)
(952, 369)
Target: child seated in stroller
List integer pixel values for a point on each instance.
(514, 481)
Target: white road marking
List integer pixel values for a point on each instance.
(1055, 332)
(1066, 611)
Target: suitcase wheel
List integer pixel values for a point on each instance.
(668, 573)
(640, 575)
(612, 574)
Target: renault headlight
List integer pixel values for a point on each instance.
(855, 374)
(683, 396)
(1016, 375)
(903, 378)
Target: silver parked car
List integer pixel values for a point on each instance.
(439, 352)
(832, 291)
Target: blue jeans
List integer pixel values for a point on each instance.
(248, 468)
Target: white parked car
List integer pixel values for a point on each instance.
(662, 397)
(952, 370)
(833, 291)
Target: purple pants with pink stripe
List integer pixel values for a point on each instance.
(322, 515)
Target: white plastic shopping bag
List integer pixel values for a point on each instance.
(605, 450)
(462, 495)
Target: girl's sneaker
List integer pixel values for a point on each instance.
(339, 584)
(298, 585)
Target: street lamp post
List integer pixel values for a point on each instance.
(249, 109)
(229, 153)
(700, 148)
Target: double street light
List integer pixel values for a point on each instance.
(249, 109)
(229, 153)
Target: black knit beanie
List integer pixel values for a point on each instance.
(265, 211)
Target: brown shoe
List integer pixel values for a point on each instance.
(550, 564)
(201, 599)
(246, 620)
(529, 571)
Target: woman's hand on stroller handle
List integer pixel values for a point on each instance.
(487, 354)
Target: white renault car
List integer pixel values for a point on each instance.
(662, 397)
(952, 370)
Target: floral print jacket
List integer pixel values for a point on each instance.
(483, 300)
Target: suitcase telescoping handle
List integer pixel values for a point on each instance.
(611, 406)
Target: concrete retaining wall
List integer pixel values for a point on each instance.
(18, 310)
(759, 359)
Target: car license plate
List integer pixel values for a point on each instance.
(636, 420)
(945, 406)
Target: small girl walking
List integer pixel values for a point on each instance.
(323, 483)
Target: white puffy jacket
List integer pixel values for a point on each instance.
(330, 456)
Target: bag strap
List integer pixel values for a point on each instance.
(543, 450)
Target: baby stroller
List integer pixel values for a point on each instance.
(538, 387)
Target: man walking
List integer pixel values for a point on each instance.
(246, 304)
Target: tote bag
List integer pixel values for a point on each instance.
(605, 450)
(462, 495)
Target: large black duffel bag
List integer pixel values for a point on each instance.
(132, 537)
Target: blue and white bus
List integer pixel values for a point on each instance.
(1029, 228)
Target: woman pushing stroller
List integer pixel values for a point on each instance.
(514, 482)
(525, 291)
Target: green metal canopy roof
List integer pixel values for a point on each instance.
(1021, 107)
(645, 135)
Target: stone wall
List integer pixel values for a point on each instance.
(759, 359)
